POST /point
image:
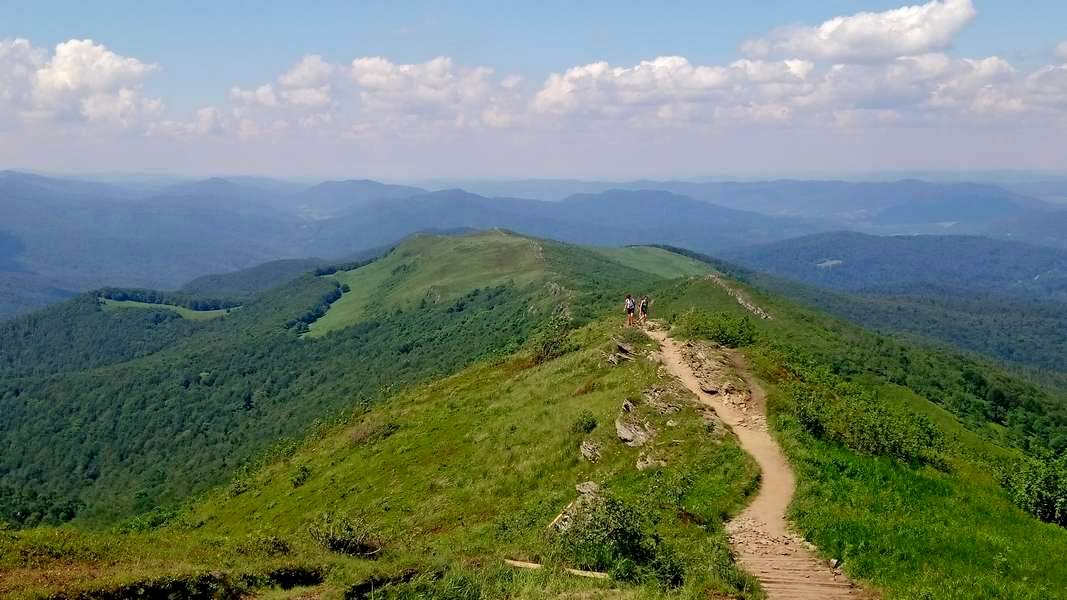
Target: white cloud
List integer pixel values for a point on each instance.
(1046, 88)
(929, 89)
(1061, 51)
(308, 83)
(19, 62)
(81, 82)
(206, 121)
(867, 36)
(262, 96)
(312, 97)
(436, 89)
(87, 79)
(671, 88)
(311, 71)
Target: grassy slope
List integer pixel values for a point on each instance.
(186, 313)
(456, 475)
(914, 532)
(657, 261)
(499, 460)
(442, 268)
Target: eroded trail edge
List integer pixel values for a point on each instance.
(783, 562)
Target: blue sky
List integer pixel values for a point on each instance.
(199, 51)
(260, 39)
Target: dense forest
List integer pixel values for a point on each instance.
(78, 334)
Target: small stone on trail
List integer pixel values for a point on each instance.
(632, 434)
(590, 450)
(834, 562)
(587, 488)
(627, 406)
(646, 462)
(709, 388)
(624, 348)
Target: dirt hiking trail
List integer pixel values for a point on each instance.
(784, 563)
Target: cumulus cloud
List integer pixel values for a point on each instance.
(19, 62)
(311, 71)
(1061, 51)
(436, 89)
(865, 70)
(209, 120)
(925, 88)
(262, 96)
(87, 79)
(670, 87)
(1046, 88)
(868, 36)
(82, 81)
(308, 83)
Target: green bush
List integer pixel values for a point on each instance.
(553, 340)
(303, 473)
(635, 337)
(721, 328)
(343, 534)
(611, 535)
(848, 414)
(1039, 486)
(585, 423)
(259, 544)
(238, 486)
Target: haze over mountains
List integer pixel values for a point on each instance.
(60, 236)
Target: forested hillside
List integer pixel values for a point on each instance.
(173, 413)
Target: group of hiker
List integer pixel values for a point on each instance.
(633, 305)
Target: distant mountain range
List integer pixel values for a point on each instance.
(61, 236)
(856, 262)
(997, 297)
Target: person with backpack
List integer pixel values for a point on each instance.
(644, 309)
(630, 305)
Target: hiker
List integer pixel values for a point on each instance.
(630, 310)
(644, 309)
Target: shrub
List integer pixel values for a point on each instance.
(847, 414)
(553, 340)
(634, 336)
(340, 533)
(611, 535)
(238, 487)
(259, 544)
(721, 328)
(303, 473)
(585, 423)
(1039, 486)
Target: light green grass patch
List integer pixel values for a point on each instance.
(656, 261)
(433, 269)
(474, 467)
(186, 313)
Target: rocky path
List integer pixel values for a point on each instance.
(784, 563)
